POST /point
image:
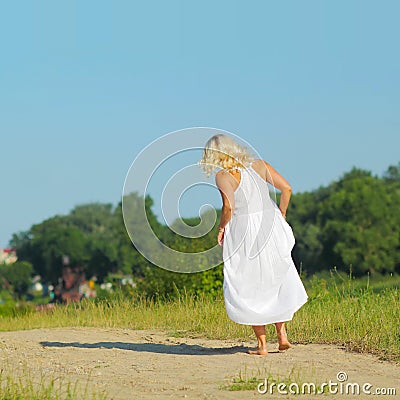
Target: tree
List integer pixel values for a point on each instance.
(302, 216)
(45, 245)
(92, 235)
(96, 222)
(360, 221)
(18, 275)
(392, 174)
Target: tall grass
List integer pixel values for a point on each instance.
(363, 316)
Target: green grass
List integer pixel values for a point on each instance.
(21, 385)
(250, 380)
(361, 314)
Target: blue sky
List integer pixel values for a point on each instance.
(84, 86)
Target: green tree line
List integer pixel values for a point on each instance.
(352, 223)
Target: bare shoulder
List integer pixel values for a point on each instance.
(260, 166)
(221, 177)
(259, 163)
(227, 180)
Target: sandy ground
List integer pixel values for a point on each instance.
(129, 364)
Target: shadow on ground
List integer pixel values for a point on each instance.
(182, 348)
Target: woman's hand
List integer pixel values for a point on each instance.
(220, 237)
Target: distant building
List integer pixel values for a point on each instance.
(8, 255)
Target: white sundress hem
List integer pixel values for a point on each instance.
(273, 320)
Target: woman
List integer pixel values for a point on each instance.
(261, 283)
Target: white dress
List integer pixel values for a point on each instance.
(261, 283)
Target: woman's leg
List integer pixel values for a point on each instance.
(259, 330)
(283, 341)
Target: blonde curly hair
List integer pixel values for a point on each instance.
(222, 152)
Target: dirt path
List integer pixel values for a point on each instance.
(128, 364)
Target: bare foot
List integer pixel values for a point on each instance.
(284, 343)
(260, 351)
(284, 346)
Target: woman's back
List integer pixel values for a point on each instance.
(252, 193)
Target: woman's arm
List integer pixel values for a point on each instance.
(227, 194)
(277, 180)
